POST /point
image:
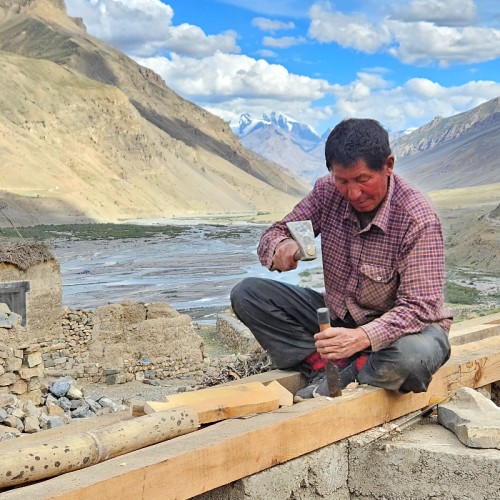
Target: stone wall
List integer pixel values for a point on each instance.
(232, 332)
(21, 371)
(119, 343)
(113, 344)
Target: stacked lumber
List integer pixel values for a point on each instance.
(222, 452)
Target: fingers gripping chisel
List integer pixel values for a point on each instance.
(331, 369)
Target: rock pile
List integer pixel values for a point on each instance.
(62, 401)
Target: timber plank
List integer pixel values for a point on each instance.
(220, 403)
(290, 380)
(224, 452)
(473, 333)
(490, 319)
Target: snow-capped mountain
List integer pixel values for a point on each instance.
(437, 155)
(301, 132)
(291, 144)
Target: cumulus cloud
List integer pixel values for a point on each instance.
(424, 33)
(283, 42)
(208, 69)
(228, 85)
(417, 101)
(356, 31)
(423, 43)
(272, 25)
(144, 28)
(455, 13)
(224, 75)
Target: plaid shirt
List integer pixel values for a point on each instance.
(390, 275)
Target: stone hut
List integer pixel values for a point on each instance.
(30, 286)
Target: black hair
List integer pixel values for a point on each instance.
(357, 139)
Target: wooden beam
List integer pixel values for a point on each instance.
(473, 333)
(224, 452)
(490, 319)
(220, 403)
(290, 380)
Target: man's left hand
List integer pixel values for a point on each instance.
(340, 343)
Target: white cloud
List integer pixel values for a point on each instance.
(220, 76)
(267, 54)
(283, 42)
(449, 13)
(144, 28)
(272, 25)
(423, 43)
(354, 31)
(229, 85)
(422, 87)
(410, 39)
(416, 102)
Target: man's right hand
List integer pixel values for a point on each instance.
(284, 255)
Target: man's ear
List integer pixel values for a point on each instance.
(389, 165)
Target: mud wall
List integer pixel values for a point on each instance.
(43, 300)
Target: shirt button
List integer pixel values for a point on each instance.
(379, 278)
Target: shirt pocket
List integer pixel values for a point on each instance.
(377, 287)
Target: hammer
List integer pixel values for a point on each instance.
(303, 234)
(331, 369)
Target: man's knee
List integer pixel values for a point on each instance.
(409, 364)
(241, 292)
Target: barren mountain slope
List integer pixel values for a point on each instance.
(453, 152)
(470, 159)
(441, 130)
(471, 226)
(98, 133)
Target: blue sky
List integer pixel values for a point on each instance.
(400, 62)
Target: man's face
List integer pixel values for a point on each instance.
(363, 188)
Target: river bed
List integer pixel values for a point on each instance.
(193, 272)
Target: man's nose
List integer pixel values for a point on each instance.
(353, 192)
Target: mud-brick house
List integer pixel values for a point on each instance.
(30, 285)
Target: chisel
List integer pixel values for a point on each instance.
(331, 369)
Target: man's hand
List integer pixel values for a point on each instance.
(284, 255)
(341, 343)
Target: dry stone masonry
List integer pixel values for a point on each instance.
(113, 344)
(118, 343)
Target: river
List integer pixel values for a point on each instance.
(193, 272)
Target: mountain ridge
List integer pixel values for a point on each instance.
(83, 112)
(441, 154)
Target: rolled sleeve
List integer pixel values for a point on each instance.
(307, 209)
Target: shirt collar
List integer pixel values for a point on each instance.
(381, 219)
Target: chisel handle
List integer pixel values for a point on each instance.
(323, 318)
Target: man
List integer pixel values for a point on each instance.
(383, 266)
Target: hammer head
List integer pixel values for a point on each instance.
(303, 234)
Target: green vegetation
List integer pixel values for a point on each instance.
(459, 294)
(227, 233)
(92, 231)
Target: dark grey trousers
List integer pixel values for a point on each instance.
(283, 319)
